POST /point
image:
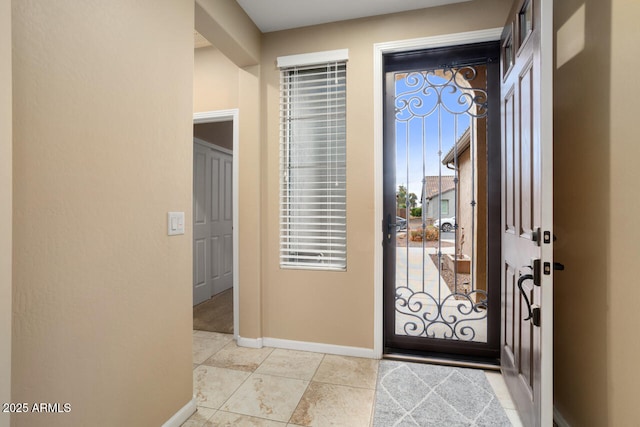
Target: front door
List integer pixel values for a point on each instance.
(212, 222)
(442, 202)
(527, 234)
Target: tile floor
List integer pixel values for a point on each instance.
(236, 386)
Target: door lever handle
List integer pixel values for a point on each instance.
(390, 226)
(524, 294)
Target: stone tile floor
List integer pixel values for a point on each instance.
(236, 386)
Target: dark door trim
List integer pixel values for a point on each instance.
(486, 53)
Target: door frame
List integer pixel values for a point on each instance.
(546, 157)
(485, 56)
(232, 115)
(380, 49)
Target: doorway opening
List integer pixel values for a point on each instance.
(441, 196)
(215, 267)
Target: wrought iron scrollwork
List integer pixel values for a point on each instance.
(449, 88)
(451, 318)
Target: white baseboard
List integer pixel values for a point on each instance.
(559, 419)
(182, 415)
(321, 348)
(314, 347)
(249, 342)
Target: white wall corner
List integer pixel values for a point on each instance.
(182, 415)
(250, 342)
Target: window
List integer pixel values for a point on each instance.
(444, 207)
(525, 18)
(313, 163)
(507, 53)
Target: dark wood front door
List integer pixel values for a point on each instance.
(527, 286)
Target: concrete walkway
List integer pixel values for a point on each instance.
(419, 284)
(419, 273)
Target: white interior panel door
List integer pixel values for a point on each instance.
(202, 289)
(212, 219)
(221, 222)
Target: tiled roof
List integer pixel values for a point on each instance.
(432, 184)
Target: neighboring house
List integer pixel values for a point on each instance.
(471, 196)
(438, 197)
(458, 159)
(96, 115)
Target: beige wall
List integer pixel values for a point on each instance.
(474, 246)
(5, 206)
(225, 24)
(337, 307)
(624, 292)
(583, 222)
(250, 214)
(215, 81)
(102, 114)
(596, 208)
(463, 205)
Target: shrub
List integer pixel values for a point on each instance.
(432, 233)
(416, 235)
(416, 212)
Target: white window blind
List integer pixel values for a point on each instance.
(313, 167)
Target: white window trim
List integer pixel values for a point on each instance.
(304, 59)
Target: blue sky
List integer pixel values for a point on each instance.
(419, 135)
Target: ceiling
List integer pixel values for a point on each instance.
(275, 15)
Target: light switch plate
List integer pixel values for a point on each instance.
(175, 223)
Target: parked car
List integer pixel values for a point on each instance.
(445, 224)
(401, 224)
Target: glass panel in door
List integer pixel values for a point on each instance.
(437, 128)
